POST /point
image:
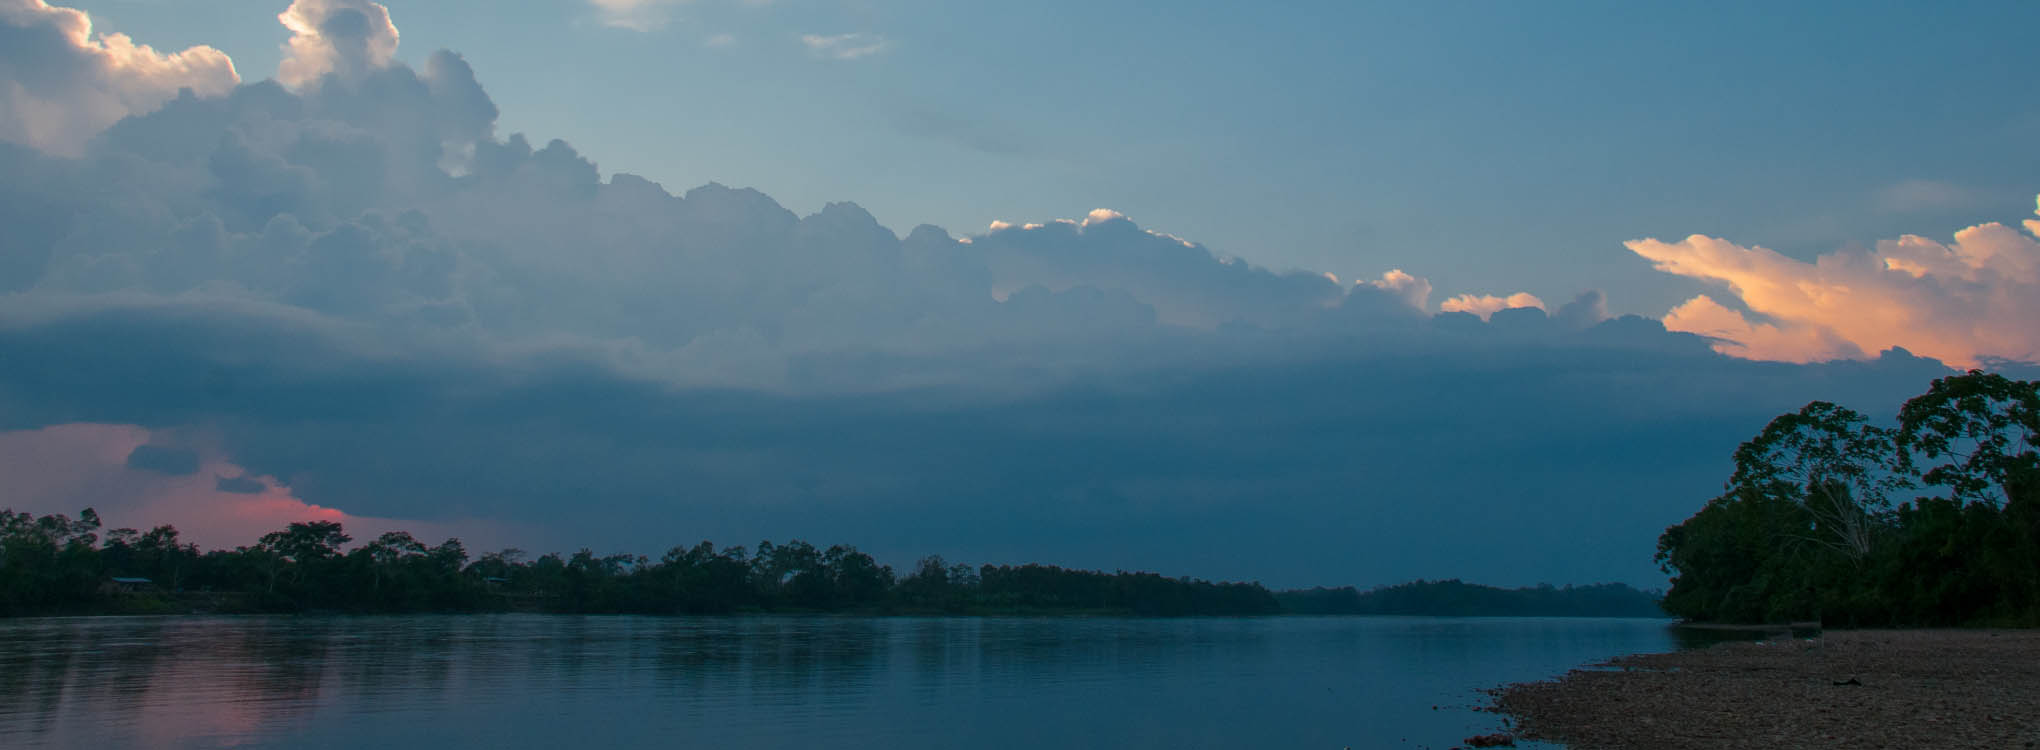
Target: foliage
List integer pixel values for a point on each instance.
(53, 564)
(1454, 598)
(1806, 528)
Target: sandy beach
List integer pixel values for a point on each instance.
(1856, 689)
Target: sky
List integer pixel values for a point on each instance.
(1325, 293)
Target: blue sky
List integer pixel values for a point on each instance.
(1491, 147)
(1345, 293)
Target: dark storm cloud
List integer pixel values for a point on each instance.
(240, 485)
(356, 287)
(1382, 465)
(163, 459)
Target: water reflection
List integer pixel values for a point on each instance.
(541, 681)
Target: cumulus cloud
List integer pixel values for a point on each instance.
(347, 38)
(845, 46)
(1588, 309)
(354, 296)
(1412, 290)
(1962, 302)
(163, 459)
(60, 83)
(240, 485)
(1735, 335)
(1486, 305)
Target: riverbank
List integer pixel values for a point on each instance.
(1858, 689)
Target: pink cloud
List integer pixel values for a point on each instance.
(1958, 302)
(66, 468)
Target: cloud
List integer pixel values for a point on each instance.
(240, 485)
(1588, 309)
(356, 297)
(1412, 290)
(345, 38)
(635, 15)
(163, 459)
(850, 46)
(66, 468)
(60, 84)
(1962, 302)
(1736, 336)
(1487, 304)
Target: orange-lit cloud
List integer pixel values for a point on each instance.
(104, 77)
(1736, 336)
(1487, 304)
(66, 468)
(1961, 302)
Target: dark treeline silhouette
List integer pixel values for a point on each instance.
(57, 565)
(1933, 522)
(1454, 598)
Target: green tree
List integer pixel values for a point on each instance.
(1834, 463)
(1977, 435)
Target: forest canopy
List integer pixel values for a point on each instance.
(58, 565)
(1455, 598)
(1828, 516)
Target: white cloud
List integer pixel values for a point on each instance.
(1960, 302)
(1413, 290)
(64, 84)
(1101, 215)
(845, 46)
(344, 37)
(635, 15)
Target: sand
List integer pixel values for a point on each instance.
(1855, 689)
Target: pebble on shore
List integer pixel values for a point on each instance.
(1856, 689)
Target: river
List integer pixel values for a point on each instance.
(549, 681)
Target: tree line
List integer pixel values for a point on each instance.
(1830, 517)
(1456, 598)
(58, 565)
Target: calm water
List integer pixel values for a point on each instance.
(776, 682)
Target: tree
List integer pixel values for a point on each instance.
(297, 547)
(386, 554)
(856, 578)
(306, 542)
(1977, 434)
(1831, 461)
(1825, 476)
